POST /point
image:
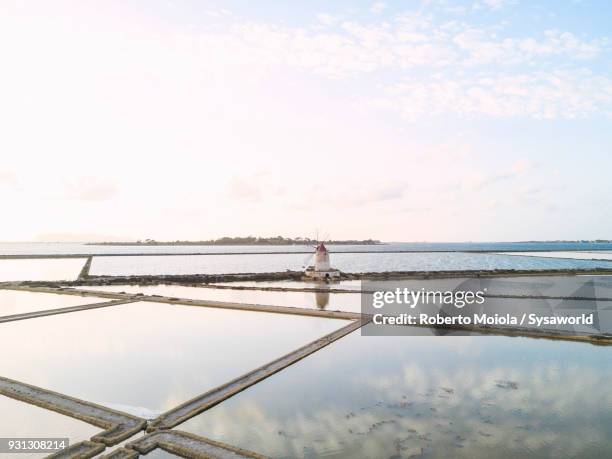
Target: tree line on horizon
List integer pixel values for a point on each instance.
(246, 240)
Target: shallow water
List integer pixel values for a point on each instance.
(466, 397)
(542, 286)
(22, 420)
(144, 358)
(568, 286)
(360, 397)
(41, 270)
(20, 302)
(350, 263)
(159, 454)
(312, 300)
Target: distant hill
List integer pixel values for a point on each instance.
(249, 240)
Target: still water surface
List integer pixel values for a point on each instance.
(583, 285)
(350, 263)
(312, 300)
(20, 302)
(555, 290)
(393, 397)
(40, 269)
(22, 420)
(144, 358)
(600, 255)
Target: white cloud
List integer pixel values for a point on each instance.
(493, 4)
(332, 195)
(256, 187)
(218, 13)
(245, 189)
(8, 178)
(560, 94)
(481, 47)
(91, 189)
(378, 7)
(231, 95)
(424, 64)
(326, 19)
(479, 181)
(521, 166)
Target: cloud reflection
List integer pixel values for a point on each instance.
(420, 397)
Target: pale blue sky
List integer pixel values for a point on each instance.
(431, 120)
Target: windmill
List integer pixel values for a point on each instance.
(309, 258)
(322, 269)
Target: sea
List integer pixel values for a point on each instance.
(414, 256)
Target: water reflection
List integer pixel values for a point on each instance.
(21, 420)
(40, 269)
(322, 298)
(346, 262)
(468, 397)
(594, 255)
(18, 302)
(307, 299)
(144, 358)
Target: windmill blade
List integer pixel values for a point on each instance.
(307, 260)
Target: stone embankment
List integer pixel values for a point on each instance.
(298, 275)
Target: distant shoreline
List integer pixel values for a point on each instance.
(248, 241)
(308, 242)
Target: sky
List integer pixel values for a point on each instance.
(415, 120)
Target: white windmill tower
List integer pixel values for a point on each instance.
(322, 269)
(321, 258)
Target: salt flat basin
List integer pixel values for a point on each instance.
(22, 420)
(41, 269)
(465, 397)
(160, 454)
(144, 358)
(20, 302)
(578, 255)
(312, 300)
(346, 262)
